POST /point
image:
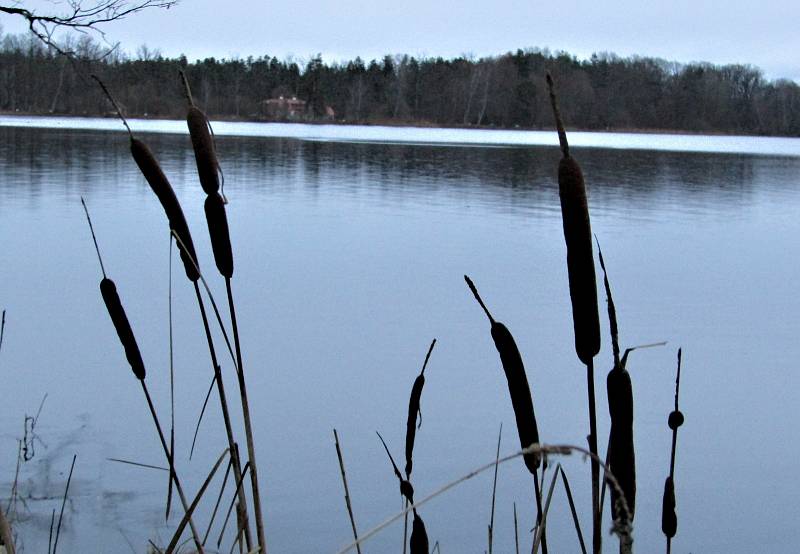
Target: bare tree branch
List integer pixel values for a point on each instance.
(79, 15)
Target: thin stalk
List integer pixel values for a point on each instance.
(171, 383)
(246, 468)
(494, 489)
(171, 461)
(346, 490)
(202, 412)
(405, 527)
(50, 538)
(537, 491)
(516, 530)
(248, 427)
(219, 499)
(176, 537)
(223, 399)
(137, 464)
(596, 533)
(2, 329)
(64, 502)
(575, 519)
(543, 524)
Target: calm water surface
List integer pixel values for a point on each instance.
(349, 260)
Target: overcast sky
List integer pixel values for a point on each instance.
(764, 33)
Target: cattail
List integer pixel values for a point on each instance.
(582, 289)
(123, 326)
(220, 236)
(203, 144)
(621, 453)
(518, 387)
(578, 236)
(413, 409)
(155, 177)
(621, 456)
(669, 519)
(419, 536)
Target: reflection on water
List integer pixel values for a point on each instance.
(349, 259)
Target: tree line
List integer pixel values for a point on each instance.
(504, 91)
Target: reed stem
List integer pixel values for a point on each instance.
(223, 399)
(248, 427)
(171, 461)
(346, 490)
(596, 533)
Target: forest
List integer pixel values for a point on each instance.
(604, 92)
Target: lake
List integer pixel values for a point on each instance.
(350, 246)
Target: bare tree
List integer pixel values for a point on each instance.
(83, 16)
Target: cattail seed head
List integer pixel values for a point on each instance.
(669, 518)
(580, 259)
(411, 422)
(419, 536)
(519, 391)
(621, 453)
(123, 327)
(204, 152)
(155, 177)
(220, 236)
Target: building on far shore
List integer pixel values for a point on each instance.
(284, 108)
(293, 109)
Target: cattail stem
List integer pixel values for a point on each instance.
(223, 400)
(248, 426)
(494, 489)
(171, 462)
(97, 249)
(596, 532)
(171, 381)
(219, 500)
(474, 290)
(113, 103)
(63, 503)
(187, 91)
(346, 490)
(537, 492)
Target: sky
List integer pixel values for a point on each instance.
(763, 34)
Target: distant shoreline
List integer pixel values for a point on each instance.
(405, 124)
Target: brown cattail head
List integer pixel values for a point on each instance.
(114, 306)
(669, 518)
(152, 172)
(413, 409)
(204, 152)
(419, 536)
(621, 453)
(520, 392)
(580, 259)
(220, 237)
(578, 236)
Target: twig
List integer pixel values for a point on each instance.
(516, 530)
